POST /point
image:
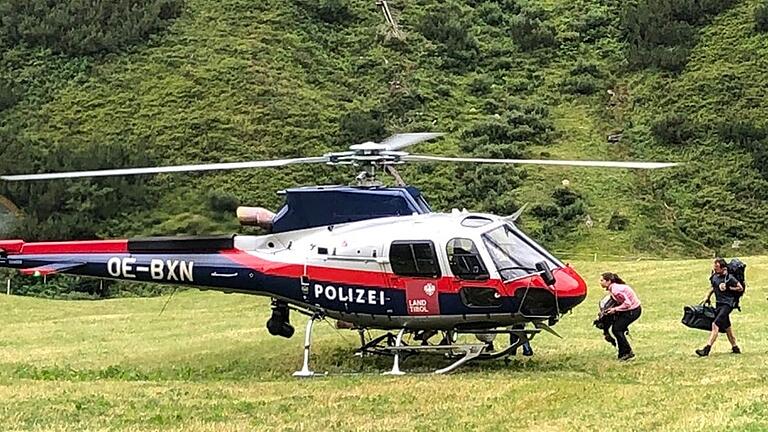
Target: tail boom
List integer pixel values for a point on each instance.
(161, 260)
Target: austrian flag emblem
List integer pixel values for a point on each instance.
(429, 289)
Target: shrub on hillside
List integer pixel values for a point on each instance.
(8, 97)
(545, 211)
(446, 26)
(561, 216)
(359, 126)
(741, 132)
(594, 25)
(506, 135)
(329, 11)
(491, 14)
(663, 44)
(188, 223)
(618, 222)
(335, 11)
(673, 129)
(699, 12)
(70, 209)
(759, 151)
(65, 287)
(585, 78)
(531, 32)
(81, 27)
(761, 17)
(661, 33)
(223, 202)
(397, 105)
(749, 137)
(565, 197)
(488, 188)
(480, 85)
(583, 85)
(586, 68)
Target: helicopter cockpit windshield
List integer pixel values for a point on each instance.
(514, 254)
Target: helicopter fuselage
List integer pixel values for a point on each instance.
(430, 271)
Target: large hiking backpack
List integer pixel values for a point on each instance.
(737, 269)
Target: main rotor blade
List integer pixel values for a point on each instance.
(575, 163)
(166, 169)
(396, 142)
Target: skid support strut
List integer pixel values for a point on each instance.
(305, 372)
(396, 363)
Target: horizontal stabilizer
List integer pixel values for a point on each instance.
(50, 269)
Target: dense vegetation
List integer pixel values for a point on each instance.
(97, 84)
(81, 27)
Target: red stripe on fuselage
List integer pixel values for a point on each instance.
(328, 274)
(11, 246)
(566, 286)
(341, 276)
(92, 246)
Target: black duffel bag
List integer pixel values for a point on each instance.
(699, 316)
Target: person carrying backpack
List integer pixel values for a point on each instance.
(626, 311)
(727, 291)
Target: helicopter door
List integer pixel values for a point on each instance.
(416, 270)
(471, 275)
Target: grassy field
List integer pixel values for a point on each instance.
(208, 364)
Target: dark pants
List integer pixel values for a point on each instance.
(723, 316)
(513, 339)
(620, 326)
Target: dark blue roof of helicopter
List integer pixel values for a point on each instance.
(315, 206)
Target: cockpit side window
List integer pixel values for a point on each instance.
(417, 258)
(465, 260)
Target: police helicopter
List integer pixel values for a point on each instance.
(369, 256)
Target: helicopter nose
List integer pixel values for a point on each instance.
(569, 287)
(567, 290)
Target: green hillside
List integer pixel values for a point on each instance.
(132, 83)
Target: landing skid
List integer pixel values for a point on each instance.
(395, 346)
(521, 337)
(391, 345)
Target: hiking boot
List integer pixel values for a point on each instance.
(627, 356)
(704, 351)
(610, 339)
(735, 349)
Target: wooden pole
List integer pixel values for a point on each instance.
(389, 18)
(8, 287)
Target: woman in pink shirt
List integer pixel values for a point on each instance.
(626, 312)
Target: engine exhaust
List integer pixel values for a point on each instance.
(255, 216)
